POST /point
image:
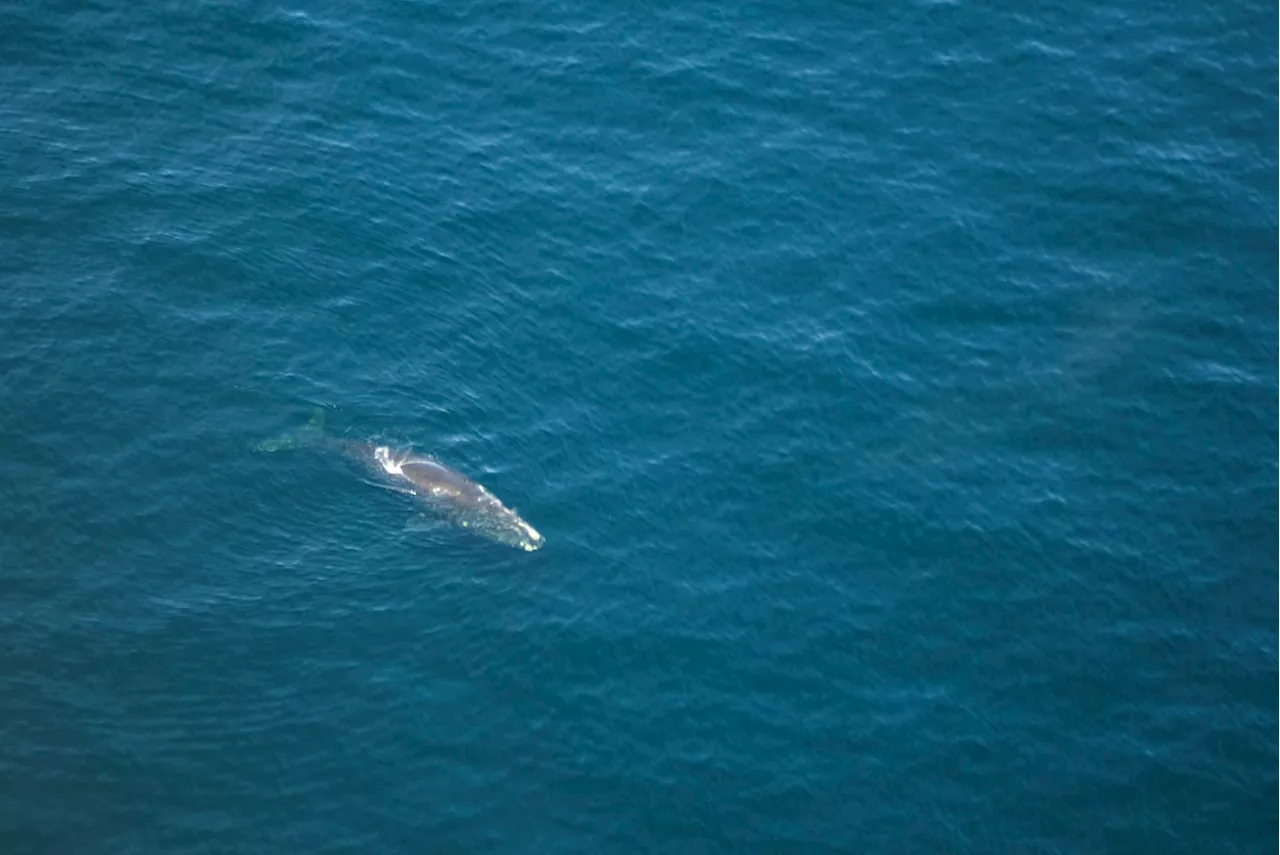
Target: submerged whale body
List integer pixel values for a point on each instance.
(445, 490)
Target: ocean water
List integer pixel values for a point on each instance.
(895, 386)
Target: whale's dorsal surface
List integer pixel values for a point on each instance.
(436, 479)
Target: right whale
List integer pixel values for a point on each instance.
(443, 489)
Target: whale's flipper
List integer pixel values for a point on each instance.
(312, 433)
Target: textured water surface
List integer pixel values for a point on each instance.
(895, 388)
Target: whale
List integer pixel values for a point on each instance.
(441, 488)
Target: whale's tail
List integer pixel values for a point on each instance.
(312, 433)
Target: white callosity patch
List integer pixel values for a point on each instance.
(529, 530)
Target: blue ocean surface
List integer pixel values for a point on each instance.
(895, 386)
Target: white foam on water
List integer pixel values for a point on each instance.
(382, 454)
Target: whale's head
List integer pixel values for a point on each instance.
(514, 531)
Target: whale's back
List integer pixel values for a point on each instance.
(435, 479)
